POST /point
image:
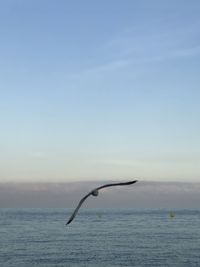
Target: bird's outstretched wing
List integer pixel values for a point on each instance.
(90, 193)
(77, 208)
(116, 184)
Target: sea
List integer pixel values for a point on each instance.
(99, 238)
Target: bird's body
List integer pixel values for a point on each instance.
(95, 193)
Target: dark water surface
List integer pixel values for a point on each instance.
(39, 237)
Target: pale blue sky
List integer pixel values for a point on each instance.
(99, 90)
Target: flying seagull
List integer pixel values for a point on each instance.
(95, 193)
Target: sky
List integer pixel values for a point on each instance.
(97, 90)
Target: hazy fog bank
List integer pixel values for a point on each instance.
(66, 195)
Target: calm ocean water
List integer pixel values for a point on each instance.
(39, 237)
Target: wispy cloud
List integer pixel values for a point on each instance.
(109, 66)
(38, 155)
(147, 43)
(187, 52)
(144, 44)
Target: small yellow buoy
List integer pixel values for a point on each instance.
(172, 214)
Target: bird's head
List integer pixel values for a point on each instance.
(95, 193)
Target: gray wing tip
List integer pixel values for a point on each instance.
(134, 181)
